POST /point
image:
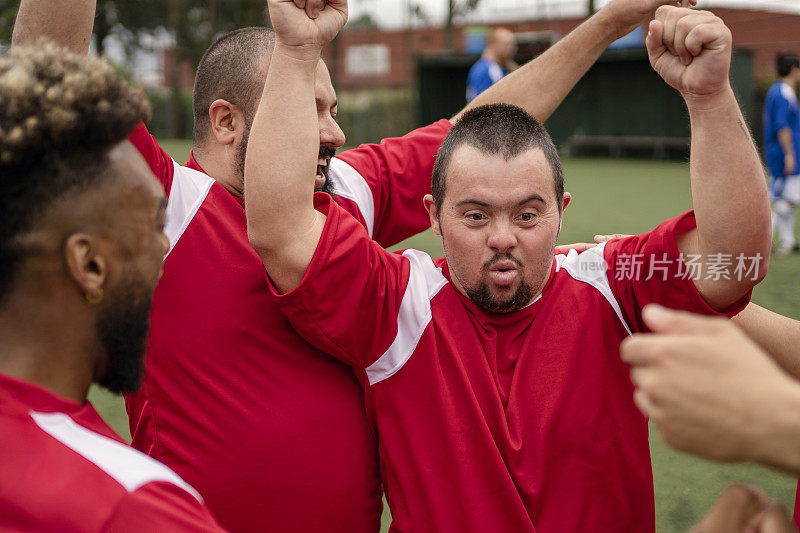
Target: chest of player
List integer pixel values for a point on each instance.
(533, 406)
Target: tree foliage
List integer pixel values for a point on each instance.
(456, 8)
(193, 23)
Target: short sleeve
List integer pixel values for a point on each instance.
(648, 268)
(348, 301)
(781, 112)
(159, 161)
(387, 182)
(161, 507)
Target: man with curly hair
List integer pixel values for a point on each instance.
(81, 244)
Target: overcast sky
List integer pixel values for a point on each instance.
(393, 13)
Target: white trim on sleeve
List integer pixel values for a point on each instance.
(424, 282)
(590, 267)
(188, 192)
(129, 467)
(349, 183)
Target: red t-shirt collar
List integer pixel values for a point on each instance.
(27, 396)
(194, 165)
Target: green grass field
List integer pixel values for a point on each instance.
(624, 196)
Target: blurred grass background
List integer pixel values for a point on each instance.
(623, 196)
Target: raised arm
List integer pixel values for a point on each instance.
(282, 154)
(67, 23)
(542, 83)
(691, 50)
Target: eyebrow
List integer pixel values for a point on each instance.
(531, 198)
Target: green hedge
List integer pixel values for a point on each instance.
(161, 125)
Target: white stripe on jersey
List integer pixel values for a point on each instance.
(348, 183)
(789, 95)
(131, 468)
(189, 190)
(590, 267)
(424, 282)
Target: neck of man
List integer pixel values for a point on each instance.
(790, 80)
(47, 340)
(218, 163)
(491, 55)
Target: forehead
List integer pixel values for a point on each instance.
(323, 88)
(492, 179)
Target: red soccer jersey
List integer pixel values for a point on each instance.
(269, 429)
(63, 469)
(496, 422)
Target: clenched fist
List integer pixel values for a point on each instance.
(307, 25)
(690, 50)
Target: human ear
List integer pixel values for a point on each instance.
(565, 200)
(433, 213)
(226, 121)
(86, 264)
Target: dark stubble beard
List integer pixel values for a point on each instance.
(123, 326)
(482, 296)
(327, 152)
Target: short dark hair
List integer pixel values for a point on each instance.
(785, 63)
(60, 116)
(230, 70)
(496, 129)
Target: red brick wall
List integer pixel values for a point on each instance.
(764, 33)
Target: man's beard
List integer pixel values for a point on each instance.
(324, 151)
(482, 296)
(123, 327)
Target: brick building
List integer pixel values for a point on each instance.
(377, 58)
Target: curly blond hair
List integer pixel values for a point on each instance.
(60, 115)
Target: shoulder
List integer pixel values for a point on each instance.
(189, 190)
(128, 467)
(480, 67)
(787, 93)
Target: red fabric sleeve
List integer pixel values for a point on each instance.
(160, 162)
(348, 301)
(162, 507)
(398, 172)
(648, 268)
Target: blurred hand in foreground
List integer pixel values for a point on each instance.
(747, 510)
(712, 392)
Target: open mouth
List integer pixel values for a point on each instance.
(503, 273)
(322, 171)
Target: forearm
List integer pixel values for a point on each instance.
(280, 166)
(776, 334)
(729, 190)
(541, 84)
(67, 23)
(776, 428)
(785, 139)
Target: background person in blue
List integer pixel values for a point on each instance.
(782, 141)
(496, 61)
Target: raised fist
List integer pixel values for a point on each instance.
(690, 50)
(307, 24)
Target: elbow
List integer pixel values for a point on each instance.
(763, 267)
